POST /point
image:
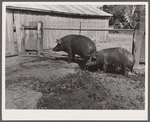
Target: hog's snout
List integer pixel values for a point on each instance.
(55, 49)
(88, 64)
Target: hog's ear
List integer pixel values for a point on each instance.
(58, 41)
(93, 58)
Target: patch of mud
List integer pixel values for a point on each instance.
(22, 98)
(93, 91)
(23, 74)
(125, 89)
(71, 92)
(43, 70)
(13, 61)
(52, 83)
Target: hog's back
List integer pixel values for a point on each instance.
(109, 55)
(79, 44)
(129, 58)
(123, 54)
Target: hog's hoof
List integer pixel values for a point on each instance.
(102, 72)
(84, 71)
(126, 75)
(99, 71)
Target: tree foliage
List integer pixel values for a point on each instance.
(124, 14)
(117, 11)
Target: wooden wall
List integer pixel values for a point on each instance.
(10, 45)
(49, 36)
(98, 36)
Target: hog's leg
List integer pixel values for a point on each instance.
(131, 69)
(69, 55)
(73, 56)
(124, 70)
(104, 68)
(84, 61)
(100, 69)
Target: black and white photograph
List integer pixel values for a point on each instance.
(75, 60)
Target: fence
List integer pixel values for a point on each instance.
(137, 48)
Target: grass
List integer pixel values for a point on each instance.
(117, 40)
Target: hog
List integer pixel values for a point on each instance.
(117, 58)
(76, 44)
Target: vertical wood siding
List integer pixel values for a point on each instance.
(98, 36)
(50, 36)
(10, 46)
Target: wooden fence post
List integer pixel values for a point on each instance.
(22, 39)
(138, 49)
(40, 36)
(15, 39)
(80, 29)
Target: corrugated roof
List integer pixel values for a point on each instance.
(66, 9)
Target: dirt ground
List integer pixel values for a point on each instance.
(49, 82)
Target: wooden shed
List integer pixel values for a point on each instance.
(53, 16)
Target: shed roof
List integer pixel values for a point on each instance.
(65, 9)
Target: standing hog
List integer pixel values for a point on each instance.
(76, 44)
(117, 58)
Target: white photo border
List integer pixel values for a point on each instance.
(8, 114)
